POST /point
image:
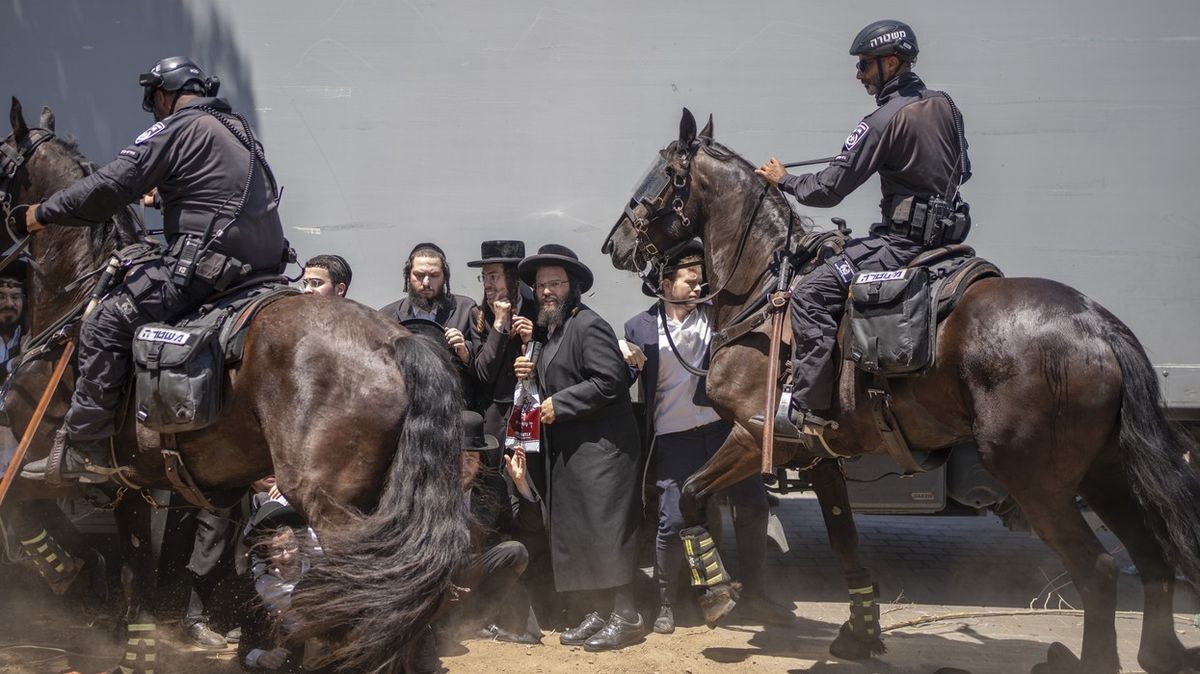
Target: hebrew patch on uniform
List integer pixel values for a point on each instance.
(856, 135)
(879, 276)
(163, 335)
(131, 154)
(149, 133)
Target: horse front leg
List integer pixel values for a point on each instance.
(139, 579)
(737, 459)
(860, 636)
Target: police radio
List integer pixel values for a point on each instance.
(185, 266)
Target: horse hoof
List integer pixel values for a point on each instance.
(1059, 660)
(717, 602)
(852, 646)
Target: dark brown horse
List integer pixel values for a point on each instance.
(1057, 394)
(358, 420)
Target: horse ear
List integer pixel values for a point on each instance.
(687, 128)
(20, 129)
(707, 131)
(47, 121)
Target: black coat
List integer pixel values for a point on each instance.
(493, 369)
(459, 313)
(592, 454)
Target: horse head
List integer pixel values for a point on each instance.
(34, 164)
(659, 217)
(695, 187)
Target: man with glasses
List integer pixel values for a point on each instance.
(915, 142)
(326, 275)
(590, 445)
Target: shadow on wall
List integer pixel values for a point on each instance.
(82, 58)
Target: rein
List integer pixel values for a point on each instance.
(693, 369)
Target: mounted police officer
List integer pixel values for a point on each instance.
(220, 219)
(915, 142)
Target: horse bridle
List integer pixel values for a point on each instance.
(12, 161)
(648, 204)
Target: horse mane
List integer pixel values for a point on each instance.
(118, 231)
(723, 154)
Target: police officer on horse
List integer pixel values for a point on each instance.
(915, 142)
(221, 223)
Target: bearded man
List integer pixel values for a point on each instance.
(427, 282)
(590, 446)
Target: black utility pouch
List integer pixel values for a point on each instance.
(180, 378)
(892, 324)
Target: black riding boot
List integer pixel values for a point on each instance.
(69, 461)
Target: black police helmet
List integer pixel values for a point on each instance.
(176, 73)
(886, 38)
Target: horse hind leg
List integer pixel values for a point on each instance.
(1053, 514)
(1110, 495)
(859, 637)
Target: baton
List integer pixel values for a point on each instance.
(810, 162)
(114, 264)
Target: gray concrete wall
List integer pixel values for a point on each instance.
(394, 122)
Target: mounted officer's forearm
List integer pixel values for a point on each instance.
(94, 198)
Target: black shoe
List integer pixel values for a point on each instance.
(757, 608)
(618, 633)
(592, 623)
(233, 636)
(78, 457)
(199, 634)
(665, 622)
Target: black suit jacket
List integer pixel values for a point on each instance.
(459, 314)
(642, 330)
(493, 364)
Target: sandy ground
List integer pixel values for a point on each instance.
(986, 641)
(997, 600)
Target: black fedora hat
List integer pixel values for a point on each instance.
(499, 252)
(554, 255)
(474, 439)
(17, 270)
(684, 255)
(425, 328)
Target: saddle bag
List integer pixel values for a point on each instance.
(180, 377)
(892, 326)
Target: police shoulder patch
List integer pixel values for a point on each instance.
(150, 133)
(856, 136)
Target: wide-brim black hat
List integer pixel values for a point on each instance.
(17, 270)
(425, 328)
(474, 439)
(554, 255)
(686, 255)
(499, 252)
(274, 514)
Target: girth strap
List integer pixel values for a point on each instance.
(179, 476)
(889, 426)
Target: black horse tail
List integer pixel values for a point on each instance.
(1152, 449)
(382, 577)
